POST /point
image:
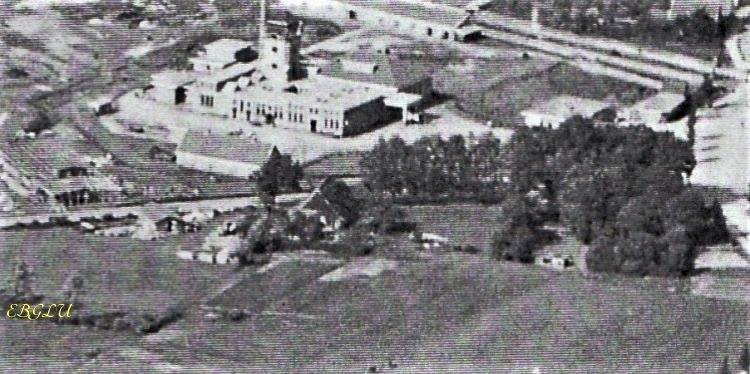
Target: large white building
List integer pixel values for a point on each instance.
(279, 88)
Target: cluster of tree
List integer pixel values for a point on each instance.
(20, 286)
(744, 362)
(520, 233)
(602, 18)
(340, 196)
(619, 189)
(435, 169)
(279, 174)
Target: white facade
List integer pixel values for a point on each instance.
(216, 165)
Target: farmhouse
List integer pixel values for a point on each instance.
(279, 89)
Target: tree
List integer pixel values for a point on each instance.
(745, 358)
(21, 286)
(340, 196)
(279, 174)
(725, 367)
(518, 235)
(387, 217)
(73, 288)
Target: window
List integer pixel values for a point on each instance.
(326, 123)
(429, 31)
(274, 49)
(274, 66)
(337, 124)
(242, 105)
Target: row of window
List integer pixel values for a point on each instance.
(277, 112)
(330, 123)
(207, 100)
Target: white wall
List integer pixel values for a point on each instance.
(215, 165)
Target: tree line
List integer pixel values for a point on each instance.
(621, 190)
(435, 169)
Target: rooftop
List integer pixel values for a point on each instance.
(230, 72)
(566, 106)
(239, 148)
(427, 11)
(172, 78)
(339, 164)
(401, 73)
(81, 183)
(222, 51)
(663, 102)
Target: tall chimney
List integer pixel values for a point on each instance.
(534, 16)
(262, 21)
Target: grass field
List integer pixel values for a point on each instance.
(119, 273)
(465, 224)
(504, 99)
(460, 309)
(440, 312)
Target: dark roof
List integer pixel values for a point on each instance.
(335, 164)
(402, 74)
(230, 147)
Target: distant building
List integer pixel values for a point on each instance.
(279, 89)
(684, 8)
(555, 261)
(82, 190)
(651, 111)
(235, 155)
(413, 18)
(555, 111)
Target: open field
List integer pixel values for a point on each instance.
(450, 309)
(464, 224)
(460, 309)
(119, 273)
(503, 101)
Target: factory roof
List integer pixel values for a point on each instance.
(172, 78)
(565, 106)
(222, 51)
(402, 74)
(81, 183)
(230, 72)
(239, 148)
